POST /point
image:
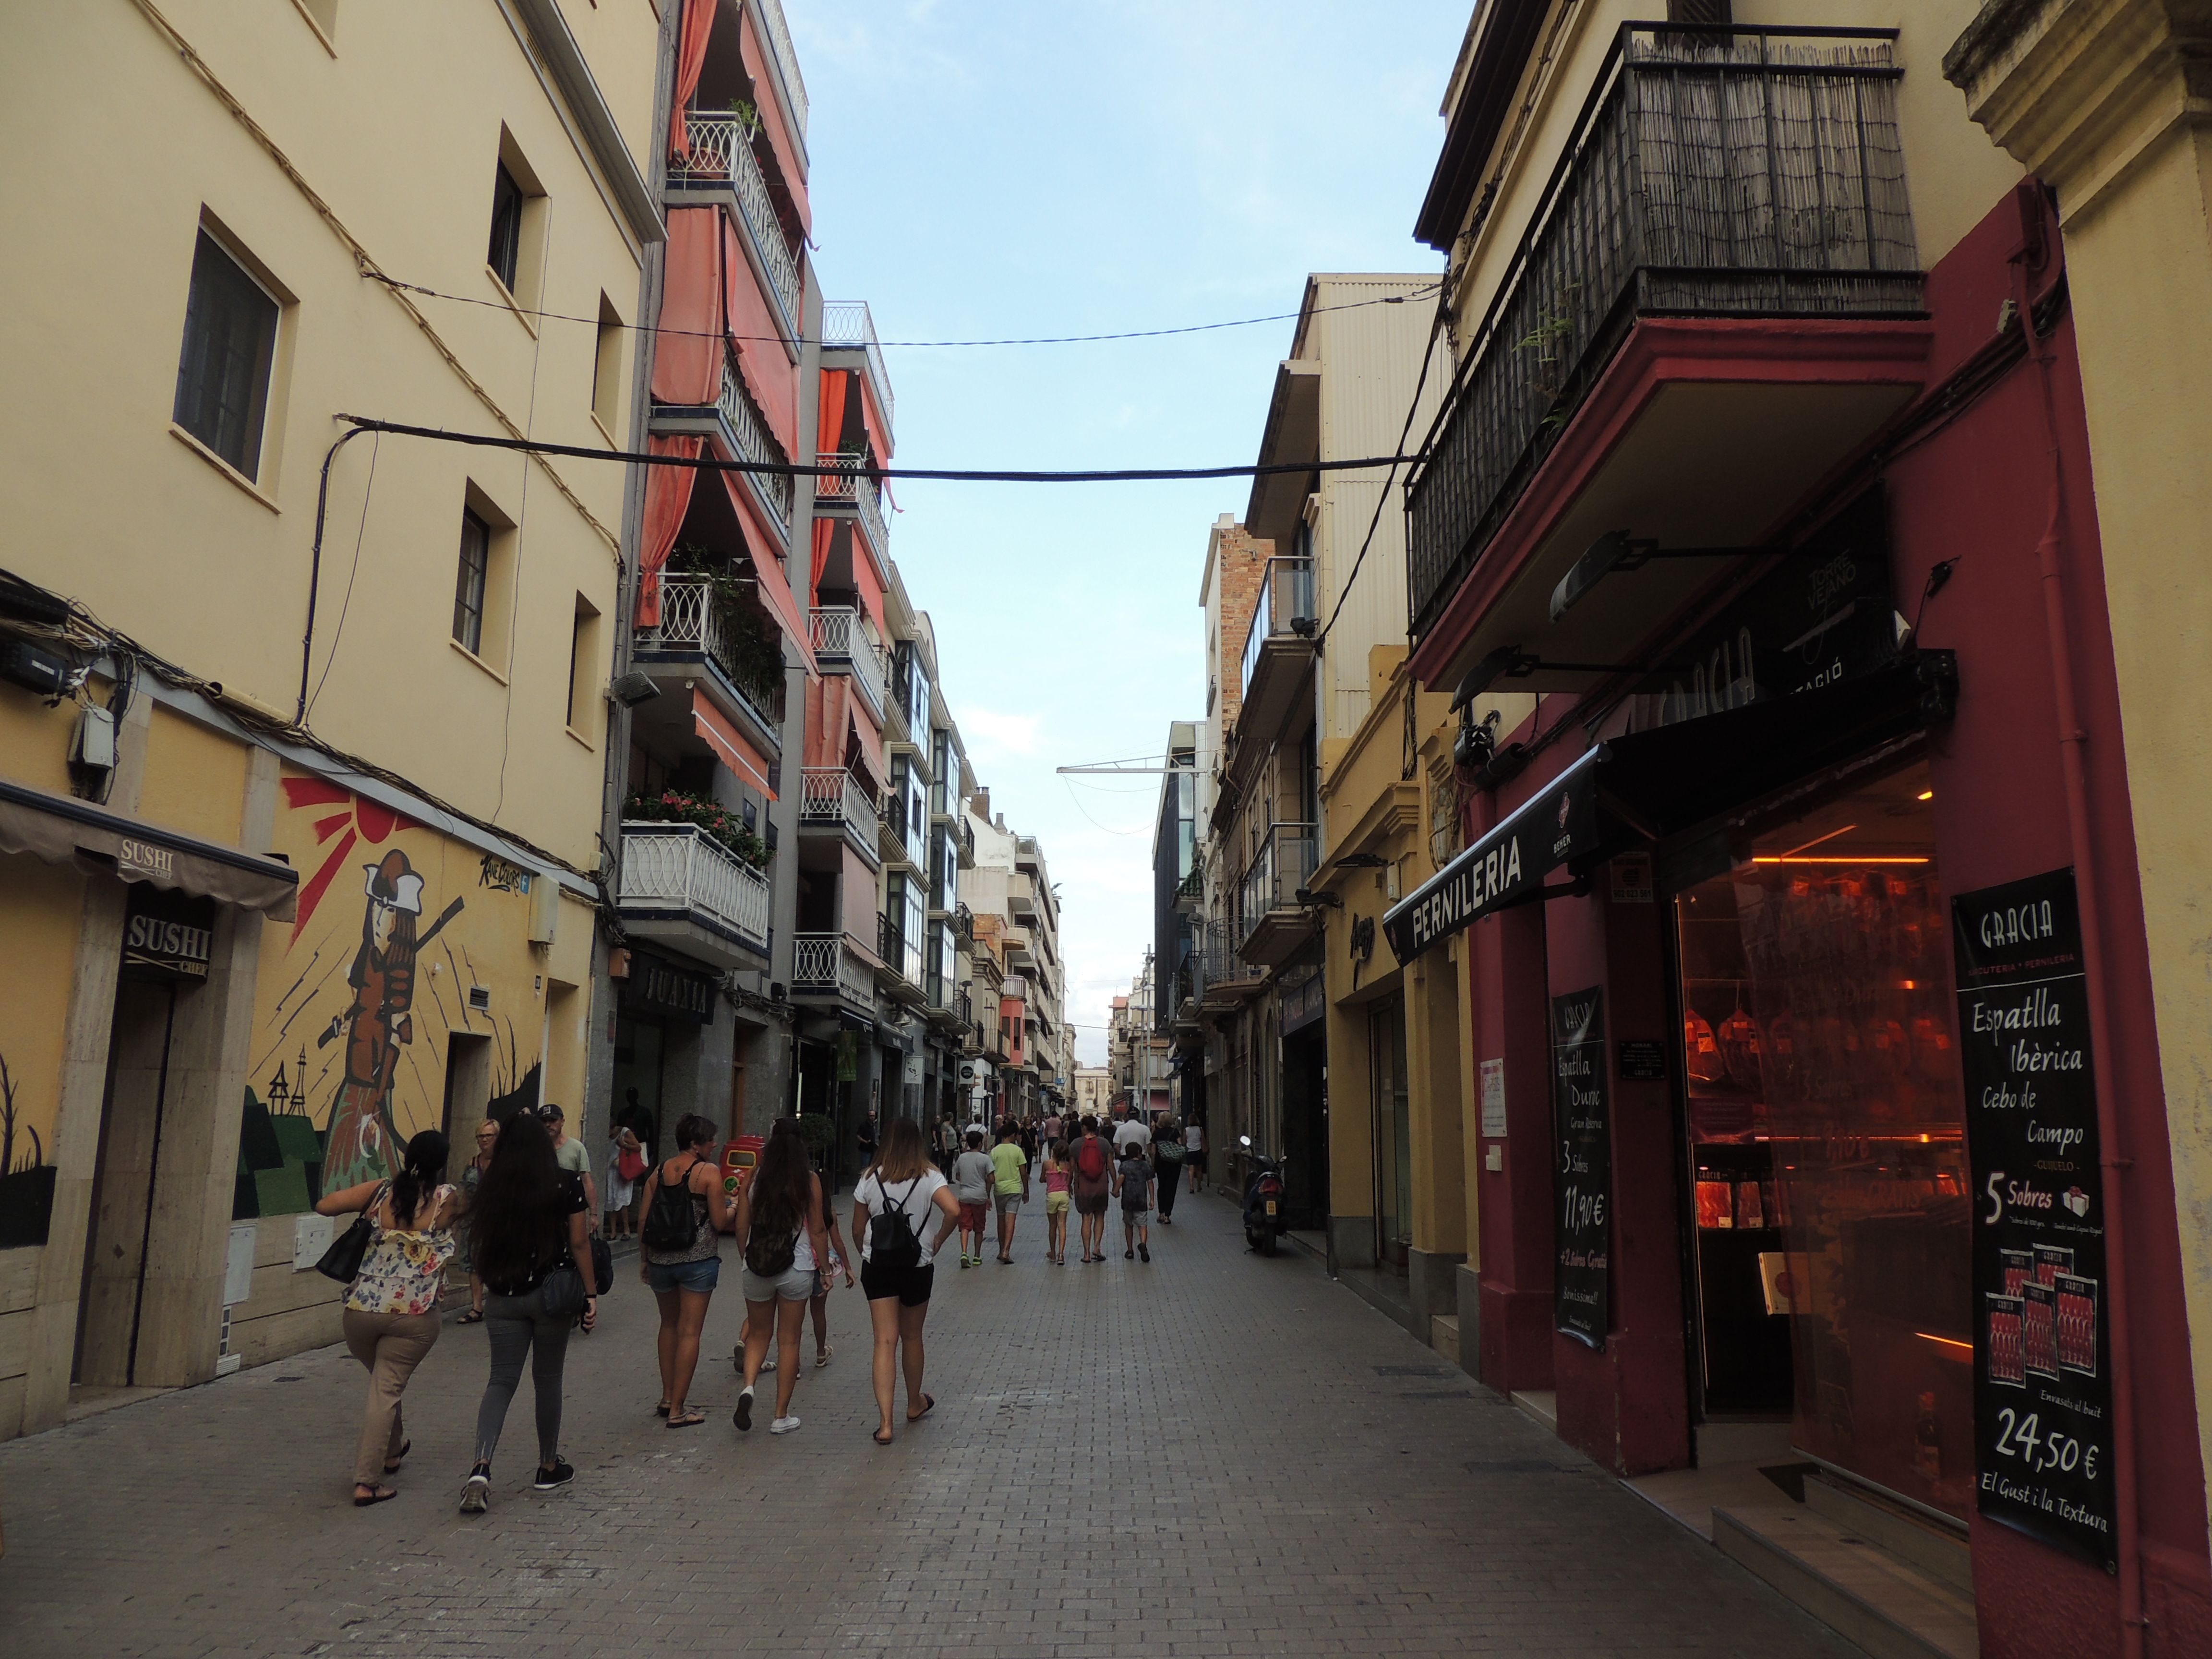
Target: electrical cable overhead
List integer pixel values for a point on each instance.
(946, 475)
(1047, 339)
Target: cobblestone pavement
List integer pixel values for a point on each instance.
(1218, 1454)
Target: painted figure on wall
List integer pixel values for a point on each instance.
(362, 1138)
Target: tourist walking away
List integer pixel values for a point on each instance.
(680, 1247)
(1093, 1188)
(1057, 1173)
(1131, 1132)
(1167, 1164)
(638, 1118)
(1193, 1155)
(779, 1228)
(473, 1173)
(1132, 1185)
(568, 1152)
(974, 1177)
(865, 1138)
(530, 1231)
(894, 1206)
(825, 1277)
(391, 1317)
(945, 1143)
(625, 1164)
(1050, 1130)
(1010, 1171)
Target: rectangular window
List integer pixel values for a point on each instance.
(606, 366)
(583, 666)
(469, 589)
(506, 255)
(230, 347)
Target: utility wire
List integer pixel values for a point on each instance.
(1048, 339)
(953, 475)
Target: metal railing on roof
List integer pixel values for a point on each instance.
(1716, 171)
(786, 60)
(720, 151)
(847, 324)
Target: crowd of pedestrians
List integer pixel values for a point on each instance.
(519, 1222)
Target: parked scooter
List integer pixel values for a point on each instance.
(1263, 1201)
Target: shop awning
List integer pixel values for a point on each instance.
(1662, 782)
(768, 572)
(62, 829)
(1554, 827)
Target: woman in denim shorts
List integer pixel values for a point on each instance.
(683, 1280)
(780, 1224)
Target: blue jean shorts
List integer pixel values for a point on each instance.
(697, 1277)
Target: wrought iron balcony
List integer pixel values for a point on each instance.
(721, 153)
(846, 325)
(828, 965)
(830, 797)
(689, 624)
(842, 642)
(1268, 898)
(851, 487)
(1715, 173)
(771, 12)
(677, 873)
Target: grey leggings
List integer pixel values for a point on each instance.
(519, 1325)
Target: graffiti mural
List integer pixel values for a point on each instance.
(27, 1180)
(362, 998)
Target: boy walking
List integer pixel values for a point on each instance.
(1133, 1184)
(973, 1177)
(1010, 1167)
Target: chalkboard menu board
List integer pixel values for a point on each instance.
(2043, 1393)
(1581, 1133)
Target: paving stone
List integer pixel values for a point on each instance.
(1214, 1455)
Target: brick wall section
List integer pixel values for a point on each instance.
(1242, 559)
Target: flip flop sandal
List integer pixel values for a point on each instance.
(661, 1410)
(473, 1317)
(391, 1464)
(822, 1359)
(686, 1419)
(928, 1405)
(879, 1437)
(377, 1495)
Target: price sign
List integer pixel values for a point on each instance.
(2043, 1392)
(1581, 1133)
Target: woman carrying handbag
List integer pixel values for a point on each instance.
(391, 1319)
(530, 1232)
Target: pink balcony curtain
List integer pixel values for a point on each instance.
(779, 138)
(667, 499)
(825, 720)
(767, 570)
(690, 58)
(830, 424)
(879, 430)
(825, 532)
(726, 741)
(754, 330)
(687, 361)
(869, 581)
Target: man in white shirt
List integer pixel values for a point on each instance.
(1132, 1132)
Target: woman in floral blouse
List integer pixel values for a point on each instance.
(392, 1308)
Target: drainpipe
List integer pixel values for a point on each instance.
(2073, 743)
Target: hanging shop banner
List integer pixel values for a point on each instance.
(1582, 1135)
(2043, 1392)
(1556, 825)
(172, 933)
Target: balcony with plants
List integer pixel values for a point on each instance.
(711, 618)
(1725, 248)
(726, 157)
(693, 875)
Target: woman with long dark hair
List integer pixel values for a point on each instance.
(391, 1317)
(529, 1221)
(896, 1270)
(682, 1273)
(779, 1227)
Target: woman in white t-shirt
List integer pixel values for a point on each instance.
(898, 1286)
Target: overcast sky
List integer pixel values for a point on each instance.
(1010, 168)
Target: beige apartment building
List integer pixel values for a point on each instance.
(302, 733)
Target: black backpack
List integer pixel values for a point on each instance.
(892, 1241)
(671, 1223)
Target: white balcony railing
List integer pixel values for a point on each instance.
(841, 640)
(847, 324)
(749, 433)
(855, 487)
(689, 622)
(825, 964)
(829, 795)
(786, 61)
(680, 866)
(721, 153)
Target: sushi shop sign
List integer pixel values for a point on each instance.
(168, 934)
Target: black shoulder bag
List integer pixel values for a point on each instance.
(342, 1261)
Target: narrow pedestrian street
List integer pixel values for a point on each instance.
(1218, 1454)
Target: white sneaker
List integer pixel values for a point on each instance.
(783, 1426)
(768, 1363)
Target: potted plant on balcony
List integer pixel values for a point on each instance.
(678, 806)
(749, 647)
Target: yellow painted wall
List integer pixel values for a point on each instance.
(41, 909)
(194, 780)
(35, 740)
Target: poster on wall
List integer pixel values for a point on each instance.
(2043, 1391)
(1581, 1134)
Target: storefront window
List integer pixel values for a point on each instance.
(1394, 1136)
(1827, 1141)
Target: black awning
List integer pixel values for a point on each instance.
(1554, 827)
(63, 830)
(1662, 782)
